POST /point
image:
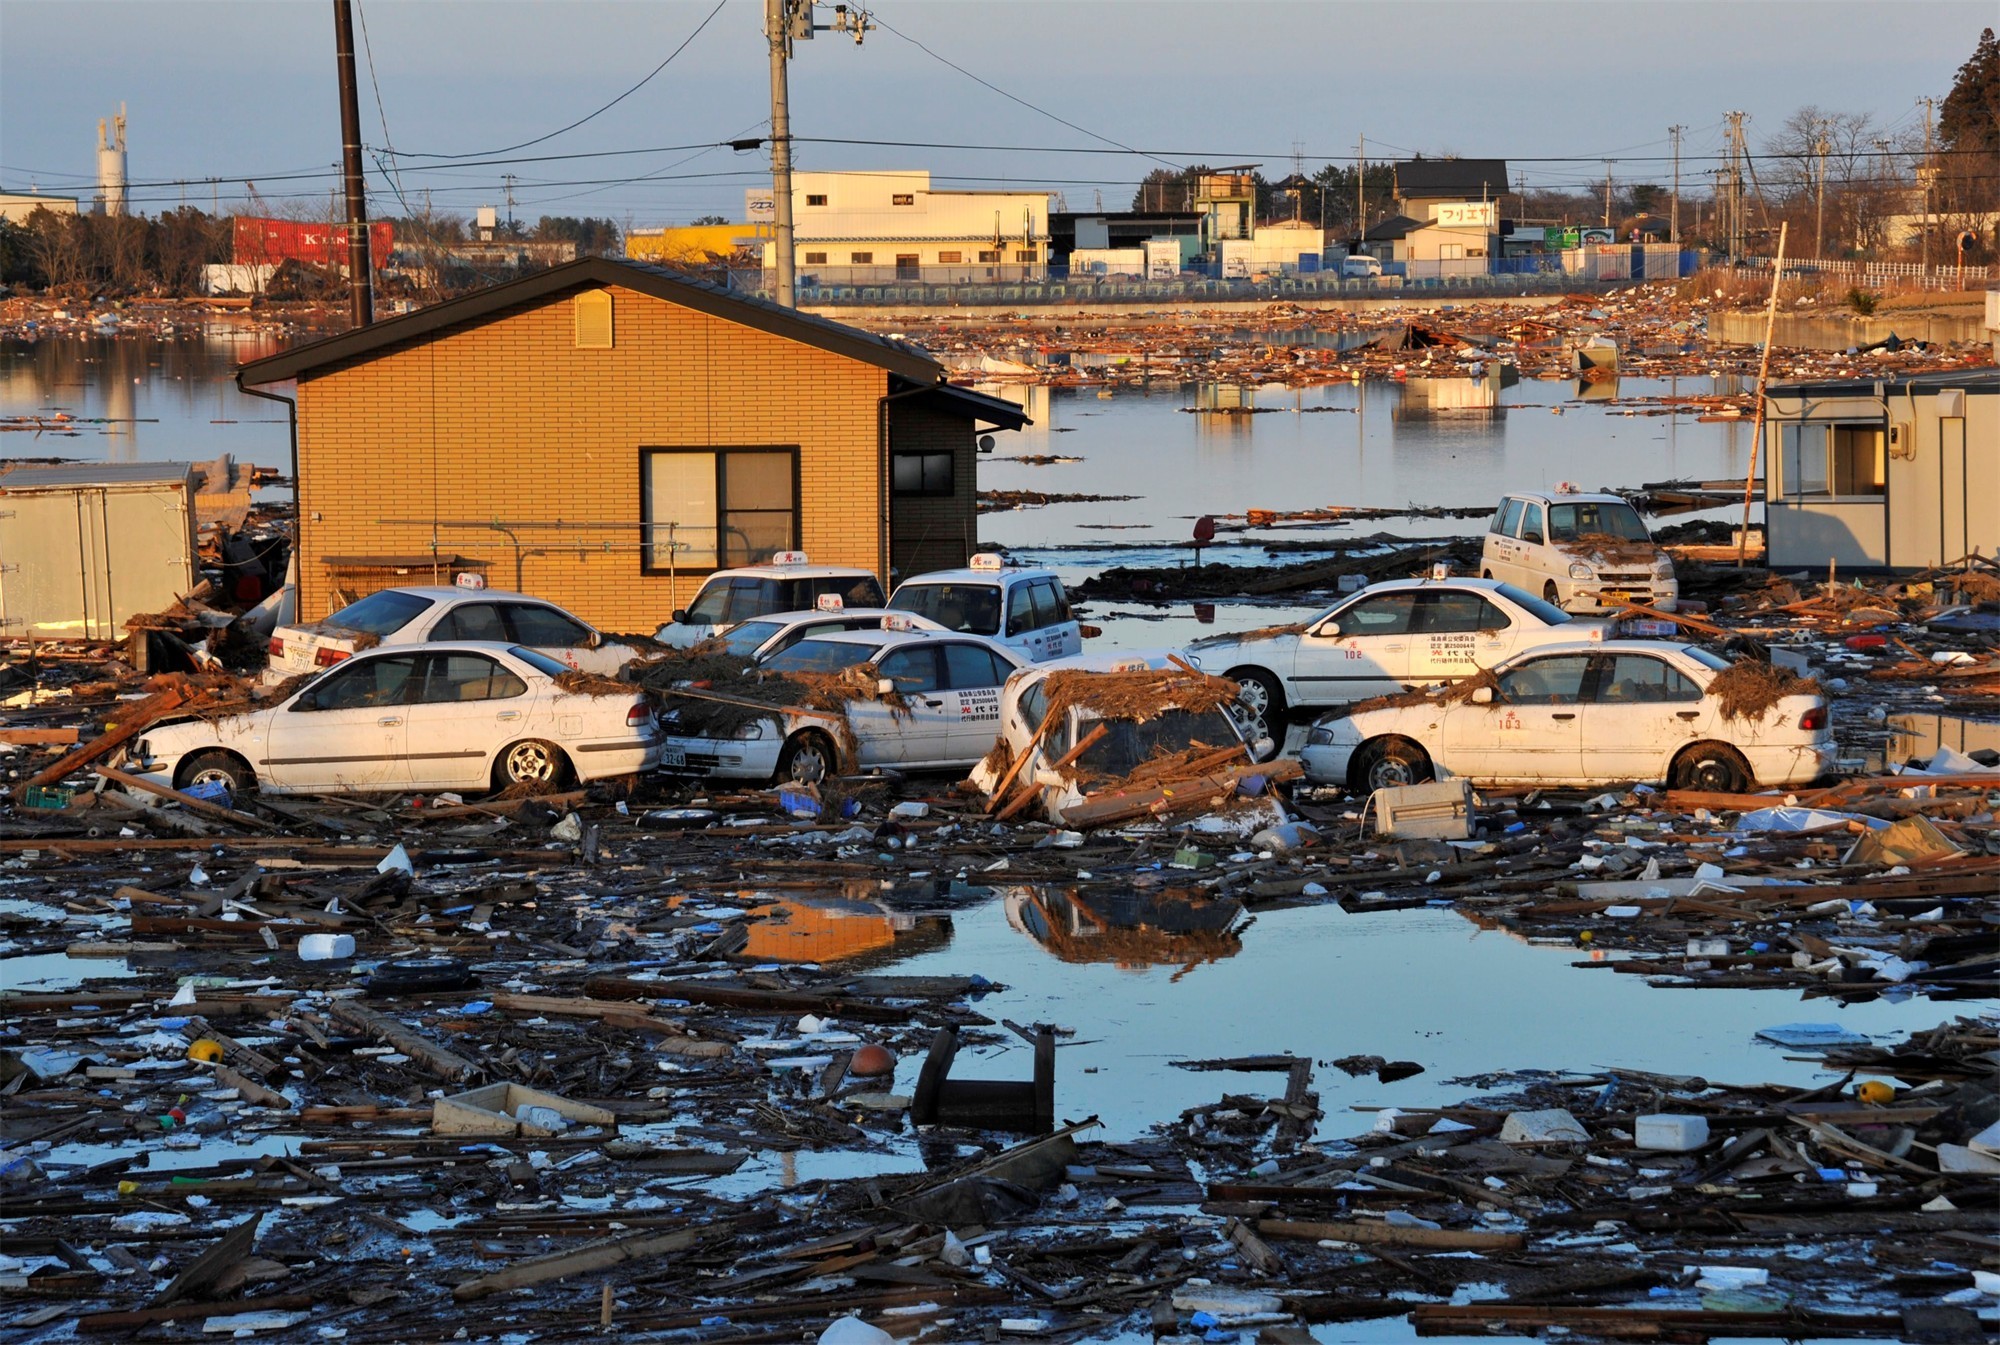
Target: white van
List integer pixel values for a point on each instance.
(1581, 550)
(790, 583)
(1023, 608)
(1359, 267)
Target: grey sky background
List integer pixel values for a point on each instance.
(237, 89)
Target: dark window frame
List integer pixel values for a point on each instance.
(720, 453)
(925, 489)
(815, 198)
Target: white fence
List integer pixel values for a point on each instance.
(1901, 275)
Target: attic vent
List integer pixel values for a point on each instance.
(593, 320)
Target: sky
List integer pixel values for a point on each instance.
(1079, 96)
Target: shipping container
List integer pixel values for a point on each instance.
(1087, 263)
(265, 242)
(1163, 258)
(83, 548)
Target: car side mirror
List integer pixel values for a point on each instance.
(596, 640)
(885, 686)
(1482, 695)
(680, 616)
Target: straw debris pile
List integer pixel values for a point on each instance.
(1749, 688)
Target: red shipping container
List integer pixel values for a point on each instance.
(266, 242)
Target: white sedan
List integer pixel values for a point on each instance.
(1385, 639)
(465, 715)
(765, 637)
(403, 616)
(948, 685)
(1582, 714)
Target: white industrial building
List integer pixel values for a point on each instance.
(861, 228)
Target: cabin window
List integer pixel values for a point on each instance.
(861, 258)
(989, 257)
(717, 508)
(1832, 461)
(1024, 255)
(950, 258)
(593, 320)
(920, 473)
(815, 198)
(815, 259)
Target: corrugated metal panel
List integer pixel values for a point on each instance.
(99, 475)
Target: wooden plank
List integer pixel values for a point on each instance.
(39, 737)
(188, 801)
(213, 1264)
(122, 1321)
(386, 1029)
(132, 720)
(1372, 1231)
(579, 1261)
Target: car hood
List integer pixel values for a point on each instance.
(1269, 637)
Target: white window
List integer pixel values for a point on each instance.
(717, 508)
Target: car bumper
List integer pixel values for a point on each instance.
(1779, 766)
(720, 758)
(1326, 764)
(1662, 595)
(619, 757)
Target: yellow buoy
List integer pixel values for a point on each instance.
(1875, 1093)
(205, 1049)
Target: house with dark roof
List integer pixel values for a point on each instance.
(605, 434)
(1424, 184)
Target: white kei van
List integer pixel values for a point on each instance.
(1357, 266)
(1023, 608)
(1582, 551)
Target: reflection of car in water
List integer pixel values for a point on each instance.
(1132, 929)
(854, 931)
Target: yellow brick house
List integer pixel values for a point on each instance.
(605, 434)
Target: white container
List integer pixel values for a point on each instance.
(1553, 1126)
(325, 947)
(1669, 1133)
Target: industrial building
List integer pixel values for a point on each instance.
(1882, 474)
(15, 207)
(862, 228)
(605, 434)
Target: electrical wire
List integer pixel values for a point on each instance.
(564, 130)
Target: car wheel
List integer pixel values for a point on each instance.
(216, 768)
(1551, 595)
(531, 762)
(1486, 574)
(808, 759)
(1713, 769)
(1389, 763)
(1263, 700)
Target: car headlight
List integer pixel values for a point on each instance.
(1663, 568)
(1579, 570)
(752, 730)
(1319, 737)
(1194, 660)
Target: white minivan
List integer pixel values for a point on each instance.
(1583, 551)
(1023, 608)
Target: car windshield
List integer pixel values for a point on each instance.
(1546, 612)
(1705, 659)
(971, 608)
(1607, 518)
(541, 663)
(822, 656)
(747, 637)
(708, 604)
(1127, 745)
(380, 614)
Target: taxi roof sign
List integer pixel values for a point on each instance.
(789, 558)
(1126, 665)
(988, 560)
(897, 621)
(830, 602)
(469, 579)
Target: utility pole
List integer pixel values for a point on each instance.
(360, 274)
(1360, 176)
(1929, 175)
(507, 185)
(1820, 147)
(1674, 212)
(1732, 202)
(787, 21)
(1607, 191)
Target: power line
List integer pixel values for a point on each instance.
(563, 130)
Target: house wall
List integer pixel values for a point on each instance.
(506, 419)
(933, 532)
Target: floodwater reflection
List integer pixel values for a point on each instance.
(1133, 930)
(845, 931)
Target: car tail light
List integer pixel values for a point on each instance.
(277, 647)
(1813, 720)
(639, 716)
(329, 656)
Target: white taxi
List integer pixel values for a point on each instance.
(790, 583)
(1387, 638)
(1023, 607)
(1611, 712)
(404, 616)
(948, 685)
(463, 715)
(765, 637)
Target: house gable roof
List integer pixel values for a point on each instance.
(365, 343)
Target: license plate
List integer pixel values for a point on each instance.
(673, 756)
(1618, 595)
